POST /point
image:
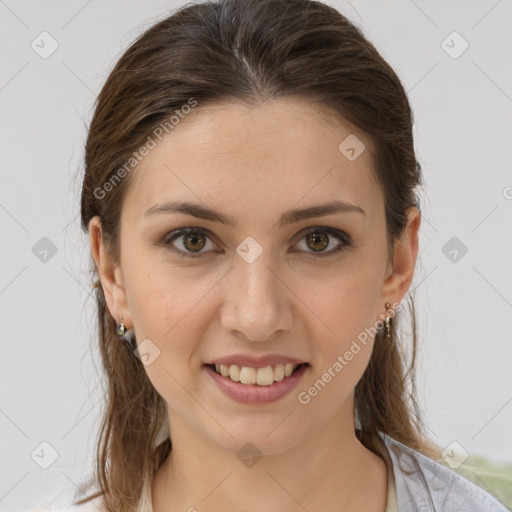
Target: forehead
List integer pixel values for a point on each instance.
(261, 159)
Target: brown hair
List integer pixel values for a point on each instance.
(250, 51)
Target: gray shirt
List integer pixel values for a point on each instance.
(424, 485)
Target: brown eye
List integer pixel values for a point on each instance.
(194, 241)
(318, 240)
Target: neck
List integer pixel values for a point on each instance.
(330, 470)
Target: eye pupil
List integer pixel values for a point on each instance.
(193, 238)
(316, 238)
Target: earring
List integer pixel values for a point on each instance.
(126, 335)
(121, 329)
(388, 305)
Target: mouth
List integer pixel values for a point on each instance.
(256, 386)
(256, 376)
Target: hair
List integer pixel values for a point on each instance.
(250, 51)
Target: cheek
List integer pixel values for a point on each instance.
(344, 361)
(344, 336)
(345, 306)
(168, 307)
(340, 363)
(163, 296)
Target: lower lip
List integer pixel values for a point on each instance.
(254, 394)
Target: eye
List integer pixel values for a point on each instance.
(318, 238)
(194, 240)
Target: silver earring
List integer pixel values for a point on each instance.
(388, 305)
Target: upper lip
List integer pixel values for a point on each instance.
(255, 362)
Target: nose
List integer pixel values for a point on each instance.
(257, 303)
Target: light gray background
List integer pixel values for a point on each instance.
(463, 121)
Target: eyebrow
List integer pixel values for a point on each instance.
(288, 217)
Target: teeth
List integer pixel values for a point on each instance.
(288, 369)
(264, 376)
(261, 376)
(247, 375)
(279, 372)
(234, 373)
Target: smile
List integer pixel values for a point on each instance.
(250, 385)
(260, 376)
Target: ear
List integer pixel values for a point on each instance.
(110, 275)
(405, 252)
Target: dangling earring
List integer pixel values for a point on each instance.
(388, 305)
(126, 335)
(121, 329)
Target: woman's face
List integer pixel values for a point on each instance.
(257, 286)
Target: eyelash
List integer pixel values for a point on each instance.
(339, 235)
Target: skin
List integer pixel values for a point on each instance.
(252, 164)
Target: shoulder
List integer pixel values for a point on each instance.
(423, 482)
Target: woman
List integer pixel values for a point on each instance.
(250, 197)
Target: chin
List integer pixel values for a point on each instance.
(264, 437)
